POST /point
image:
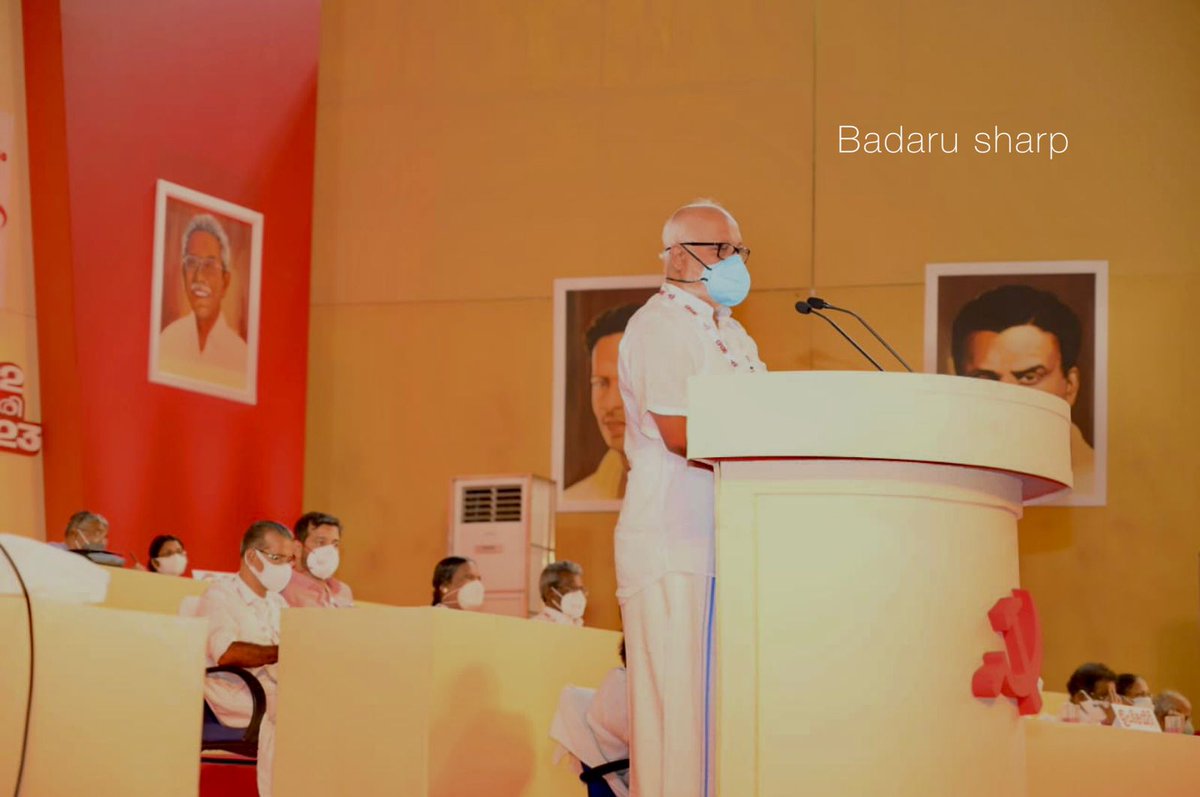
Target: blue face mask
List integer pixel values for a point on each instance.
(728, 280)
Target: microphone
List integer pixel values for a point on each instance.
(817, 303)
(804, 308)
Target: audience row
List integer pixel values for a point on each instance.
(1094, 688)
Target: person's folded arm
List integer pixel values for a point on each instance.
(249, 655)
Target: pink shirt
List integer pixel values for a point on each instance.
(308, 591)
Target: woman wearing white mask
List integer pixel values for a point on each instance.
(457, 584)
(564, 597)
(168, 556)
(318, 555)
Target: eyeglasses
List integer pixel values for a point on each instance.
(277, 558)
(207, 266)
(724, 248)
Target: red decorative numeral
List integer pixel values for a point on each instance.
(1016, 674)
(16, 434)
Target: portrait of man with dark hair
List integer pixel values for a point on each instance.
(589, 436)
(602, 341)
(1035, 330)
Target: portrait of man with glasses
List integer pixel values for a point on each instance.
(205, 302)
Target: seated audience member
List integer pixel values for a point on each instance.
(592, 726)
(317, 558)
(167, 555)
(87, 535)
(86, 531)
(1174, 712)
(1092, 688)
(608, 716)
(243, 631)
(563, 594)
(457, 584)
(1133, 688)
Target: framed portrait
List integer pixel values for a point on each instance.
(588, 456)
(205, 294)
(1043, 325)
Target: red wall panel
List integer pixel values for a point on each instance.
(218, 96)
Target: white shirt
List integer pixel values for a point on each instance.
(666, 523)
(549, 614)
(608, 715)
(236, 614)
(223, 359)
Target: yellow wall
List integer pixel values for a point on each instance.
(20, 476)
(469, 154)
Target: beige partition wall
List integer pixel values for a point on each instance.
(427, 702)
(117, 701)
(866, 523)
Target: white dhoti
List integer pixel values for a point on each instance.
(266, 755)
(668, 648)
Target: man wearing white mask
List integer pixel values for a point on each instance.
(564, 597)
(319, 540)
(665, 536)
(243, 631)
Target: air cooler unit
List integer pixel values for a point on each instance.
(506, 524)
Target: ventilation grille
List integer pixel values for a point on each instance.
(492, 504)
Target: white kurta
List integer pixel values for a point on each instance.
(665, 540)
(549, 614)
(222, 360)
(236, 614)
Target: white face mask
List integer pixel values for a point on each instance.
(172, 565)
(470, 595)
(324, 561)
(273, 577)
(572, 604)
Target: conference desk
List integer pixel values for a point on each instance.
(116, 704)
(427, 702)
(380, 700)
(1064, 759)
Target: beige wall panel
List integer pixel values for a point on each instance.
(402, 399)
(1120, 79)
(466, 153)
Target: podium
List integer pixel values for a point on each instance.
(866, 523)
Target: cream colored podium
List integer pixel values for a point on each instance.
(866, 522)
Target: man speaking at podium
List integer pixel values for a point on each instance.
(665, 535)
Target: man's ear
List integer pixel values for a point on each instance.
(1072, 385)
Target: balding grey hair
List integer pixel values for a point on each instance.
(673, 228)
(205, 222)
(1167, 701)
(258, 532)
(552, 575)
(83, 516)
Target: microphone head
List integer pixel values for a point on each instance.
(803, 308)
(817, 303)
